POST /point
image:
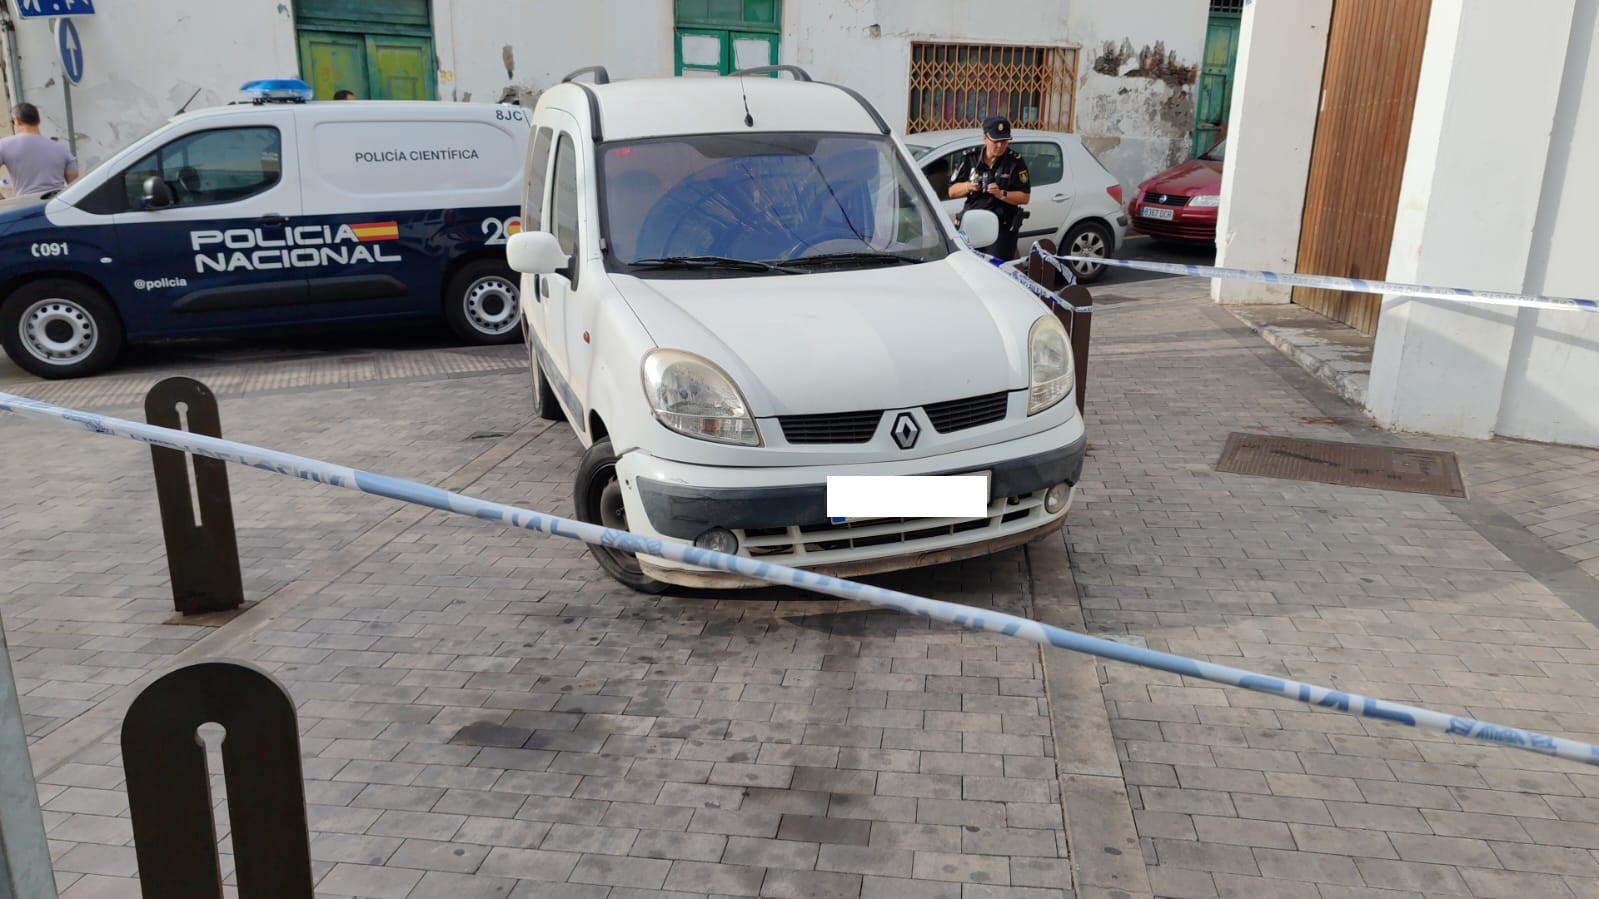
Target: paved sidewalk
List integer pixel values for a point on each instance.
(1452, 604)
(484, 714)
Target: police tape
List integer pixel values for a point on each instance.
(1012, 269)
(985, 620)
(1359, 285)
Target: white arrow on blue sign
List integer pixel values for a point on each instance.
(38, 9)
(71, 50)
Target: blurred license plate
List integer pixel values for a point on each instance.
(1155, 212)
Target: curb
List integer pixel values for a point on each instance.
(1105, 855)
(1321, 360)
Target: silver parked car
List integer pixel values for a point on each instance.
(1075, 201)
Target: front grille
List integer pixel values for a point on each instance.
(821, 543)
(832, 427)
(1166, 199)
(958, 415)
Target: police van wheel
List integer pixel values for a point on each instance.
(481, 303)
(56, 328)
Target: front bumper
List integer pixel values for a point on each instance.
(1197, 223)
(780, 514)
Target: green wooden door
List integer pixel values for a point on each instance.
(1216, 80)
(716, 37)
(375, 66)
(399, 68)
(333, 62)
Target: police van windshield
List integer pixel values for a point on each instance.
(797, 201)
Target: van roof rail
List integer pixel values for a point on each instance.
(600, 75)
(798, 73)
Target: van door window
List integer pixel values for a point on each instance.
(538, 165)
(210, 167)
(563, 203)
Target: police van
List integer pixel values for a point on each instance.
(271, 212)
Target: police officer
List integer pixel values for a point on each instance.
(994, 177)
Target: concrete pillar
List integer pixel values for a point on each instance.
(1276, 95)
(1467, 207)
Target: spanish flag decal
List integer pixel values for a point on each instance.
(366, 232)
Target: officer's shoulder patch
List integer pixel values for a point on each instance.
(1023, 176)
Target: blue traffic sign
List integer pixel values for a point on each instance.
(38, 9)
(71, 50)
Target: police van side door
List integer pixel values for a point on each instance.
(226, 252)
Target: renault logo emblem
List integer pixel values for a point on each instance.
(905, 431)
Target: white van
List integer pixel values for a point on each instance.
(270, 214)
(738, 289)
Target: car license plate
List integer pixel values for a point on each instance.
(1155, 212)
(908, 497)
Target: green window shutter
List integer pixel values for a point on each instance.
(408, 17)
(731, 15)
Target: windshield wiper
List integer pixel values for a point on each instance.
(707, 262)
(863, 257)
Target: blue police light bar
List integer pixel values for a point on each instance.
(277, 90)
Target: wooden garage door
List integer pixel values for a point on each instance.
(1358, 157)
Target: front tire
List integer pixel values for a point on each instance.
(57, 328)
(597, 497)
(481, 303)
(1087, 239)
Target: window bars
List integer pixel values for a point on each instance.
(958, 85)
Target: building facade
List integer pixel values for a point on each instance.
(1143, 81)
(1417, 163)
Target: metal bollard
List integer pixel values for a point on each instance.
(169, 788)
(202, 556)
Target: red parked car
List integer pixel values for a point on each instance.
(1180, 203)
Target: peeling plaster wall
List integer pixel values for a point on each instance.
(1137, 114)
(526, 46)
(1138, 81)
(141, 65)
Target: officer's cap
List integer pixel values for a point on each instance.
(996, 127)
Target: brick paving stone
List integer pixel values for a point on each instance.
(646, 717)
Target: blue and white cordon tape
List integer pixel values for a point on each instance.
(1012, 269)
(1359, 285)
(936, 610)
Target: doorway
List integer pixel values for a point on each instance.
(379, 49)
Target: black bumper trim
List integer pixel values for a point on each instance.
(685, 512)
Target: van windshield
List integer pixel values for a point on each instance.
(800, 201)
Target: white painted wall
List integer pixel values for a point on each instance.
(1554, 357)
(1136, 125)
(142, 61)
(143, 64)
(1472, 370)
(1270, 130)
(544, 40)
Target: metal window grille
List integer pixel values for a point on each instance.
(1227, 6)
(958, 85)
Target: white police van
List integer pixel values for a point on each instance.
(271, 213)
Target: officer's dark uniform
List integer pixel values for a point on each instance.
(1009, 172)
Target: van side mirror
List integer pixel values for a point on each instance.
(981, 227)
(535, 253)
(157, 195)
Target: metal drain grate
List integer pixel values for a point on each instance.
(1346, 464)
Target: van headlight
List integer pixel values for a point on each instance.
(692, 396)
(1049, 364)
